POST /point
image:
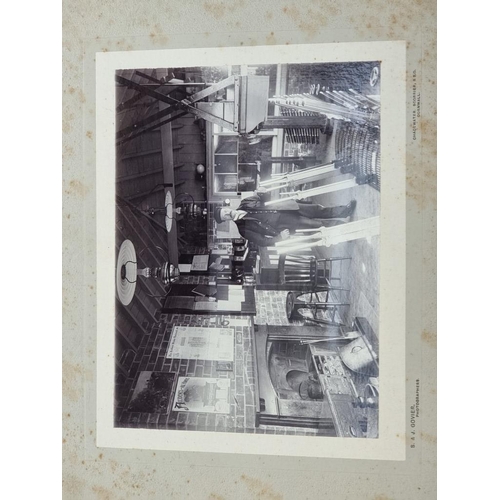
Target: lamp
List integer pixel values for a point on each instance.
(127, 272)
(200, 172)
(189, 209)
(167, 206)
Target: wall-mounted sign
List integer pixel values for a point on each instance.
(203, 395)
(188, 342)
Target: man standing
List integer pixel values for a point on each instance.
(264, 225)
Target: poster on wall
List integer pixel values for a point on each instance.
(153, 392)
(188, 342)
(203, 395)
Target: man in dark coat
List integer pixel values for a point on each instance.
(266, 225)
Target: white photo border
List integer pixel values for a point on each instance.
(391, 444)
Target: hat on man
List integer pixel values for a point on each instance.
(218, 215)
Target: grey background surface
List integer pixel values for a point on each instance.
(90, 472)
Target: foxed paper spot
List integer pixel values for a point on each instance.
(309, 20)
(421, 185)
(260, 489)
(158, 36)
(72, 381)
(77, 188)
(103, 493)
(429, 438)
(271, 39)
(430, 338)
(219, 9)
(68, 151)
(72, 486)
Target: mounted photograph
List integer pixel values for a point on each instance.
(247, 249)
(247, 230)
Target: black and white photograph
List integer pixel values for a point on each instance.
(247, 248)
(249, 237)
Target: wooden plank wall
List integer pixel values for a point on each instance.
(139, 170)
(139, 161)
(134, 320)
